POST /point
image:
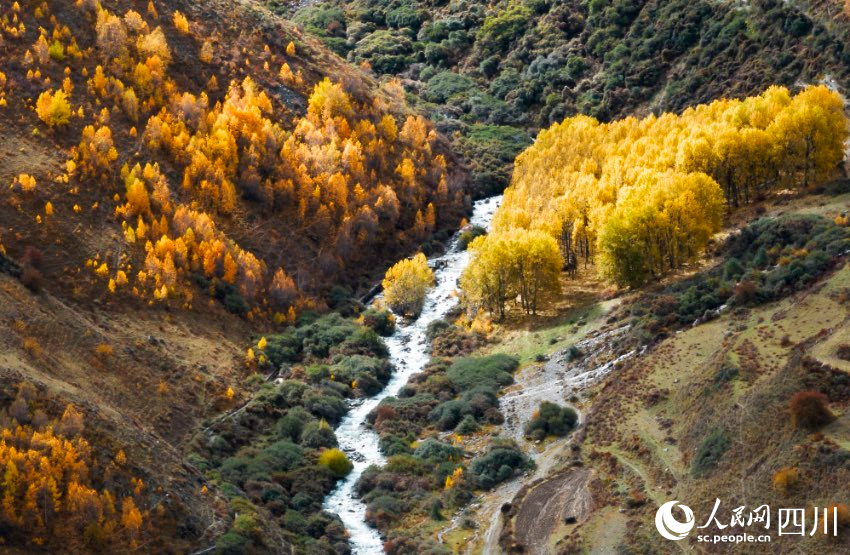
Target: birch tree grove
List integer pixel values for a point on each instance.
(642, 197)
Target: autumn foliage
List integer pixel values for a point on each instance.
(518, 264)
(189, 172)
(810, 410)
(49, 496)
(642, 197)
(53, 108)
(335, 461)
(407, 283)
(785, 478)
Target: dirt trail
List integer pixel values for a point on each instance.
(548, 504)
(556, 381)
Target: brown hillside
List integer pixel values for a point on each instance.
(299, 194)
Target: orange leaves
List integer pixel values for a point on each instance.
(131, 519)
(286, 74)
(517, 264)
(282, 291)
(785, 478)
(138, 201)
(230, 269)
(388, 128)
(328, 101)
(407, 171)
(47, 481)
(26, 182)
(454, 478)
(648, 194)
(406, 284)
(329, 180)
(154, 44)
(53, 108)
(810, 410)
(206, 53)
(96, 152)
(180, 22)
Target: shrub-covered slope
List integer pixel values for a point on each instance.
(494, 71)
(177, 178)
(749, 407)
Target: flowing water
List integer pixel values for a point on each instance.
(409, 353)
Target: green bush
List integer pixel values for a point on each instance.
(324, 333)
(267, 453)
(732, 270)
(357, 367)
(447, 84)
(806, 245)
(231, 544)
(329, 407)
(294, 521)
(491, 150)
(501, 30)
(384, 509)
(382, 321)
(436, 327)
(316, 373)
(467, 426)
(317, 435)
(226, 293)
(322, 20)
(387, 51)
(434, 510)
(407, 464)
(493, 372)
(709, 452)
(364, 341)
(283, 348)
(290, 393)
(258, 466)
(447, 415)
(392, 445)
(432, 450)
(285, 454)
(451, 341)
(503, 460)
(726, 373)
(245, 525)
(404, 16)
(551, 419)
(474, 403)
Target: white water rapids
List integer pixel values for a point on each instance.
(409, 353)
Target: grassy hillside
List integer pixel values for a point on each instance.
(492, 72)
(711, 409)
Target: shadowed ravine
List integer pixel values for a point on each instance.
(409, 353)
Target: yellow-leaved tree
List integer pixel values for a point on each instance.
(641, 197)
(517, 265)
(53, 108)
(407, 283)
(657, 224)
